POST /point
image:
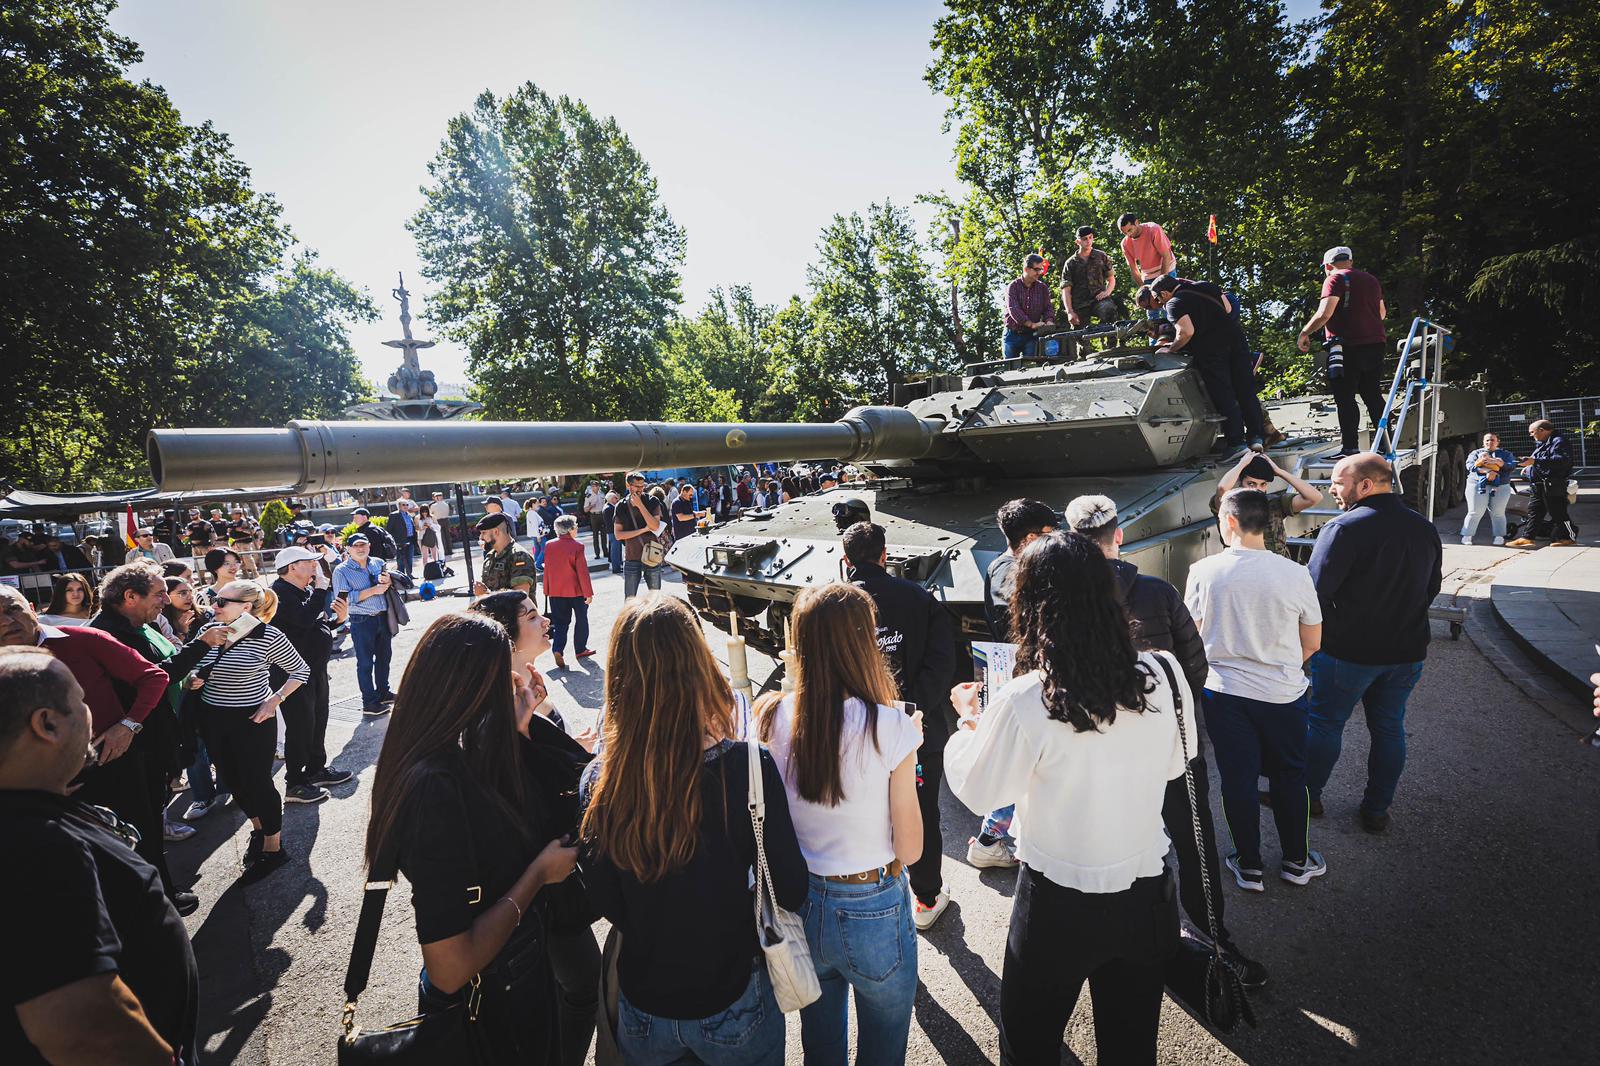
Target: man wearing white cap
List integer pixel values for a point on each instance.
(1352, 310)
(303, 615)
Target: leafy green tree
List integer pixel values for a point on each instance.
(556, 263)
(133, 255)
(726, 346)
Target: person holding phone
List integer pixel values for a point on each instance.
(238, 716)
(640, 520)
(363, 581)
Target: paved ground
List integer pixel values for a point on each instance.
(1467, 934)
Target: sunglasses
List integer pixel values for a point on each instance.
(230, 599)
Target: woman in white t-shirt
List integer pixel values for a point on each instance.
(848, 758)
(1083, 740)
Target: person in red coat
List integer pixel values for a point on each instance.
(567, 585)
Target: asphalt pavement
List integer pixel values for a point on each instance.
(1466, 934)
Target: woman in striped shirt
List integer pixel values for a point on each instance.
(237, 719)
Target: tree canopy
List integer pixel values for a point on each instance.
(142, 279)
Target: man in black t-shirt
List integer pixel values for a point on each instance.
(99, 967)
(1208, 329)
(684, 512)
(640, 520)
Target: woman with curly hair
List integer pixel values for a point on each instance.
(1083, 739)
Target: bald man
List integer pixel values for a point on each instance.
(1377, 568)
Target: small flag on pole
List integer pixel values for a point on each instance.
(130, 526)
(1211, 230)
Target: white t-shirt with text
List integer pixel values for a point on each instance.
(854, 836)
(1250, 604)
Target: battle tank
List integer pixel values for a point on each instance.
(1126, 421)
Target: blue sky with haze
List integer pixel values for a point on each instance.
(759, 120)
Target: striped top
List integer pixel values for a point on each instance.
(239, 678)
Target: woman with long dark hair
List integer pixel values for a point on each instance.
(1083, 739)
(849, 762)
(670, 848)
(453, 810)
(530, 638)
(73, 601)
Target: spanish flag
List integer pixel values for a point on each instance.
(130, 526)
(1211, 230)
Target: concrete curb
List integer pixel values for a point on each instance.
(1549, 602)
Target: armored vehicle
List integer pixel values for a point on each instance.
(1126, 421)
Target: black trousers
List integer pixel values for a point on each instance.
(1180, 827)
(125, 786)
(305, 727)
(575, 958)
(1362, 379)
(242, 752)
(1117, 941)
(927, 873)
(1547, 511)
(599, 536)
(1230, 380)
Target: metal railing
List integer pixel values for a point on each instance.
(1427, 341)
(1576, 417)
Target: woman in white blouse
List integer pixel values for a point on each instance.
(1083, 740)
(848, 758)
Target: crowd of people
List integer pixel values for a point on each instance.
(515, 835)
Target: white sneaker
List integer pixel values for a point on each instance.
(199, 809)
(1499, 541)
(1466, 540)
(1001, 855)
(924, 916)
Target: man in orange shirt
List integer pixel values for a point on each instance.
(566, 583)
(1148, 251)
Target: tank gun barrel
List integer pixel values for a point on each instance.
(311, 456)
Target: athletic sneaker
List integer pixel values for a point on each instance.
(253, 848)
(1250, 880)
(304, 793)
(375, 710)
(387, 697)
(1251, 973)
(185, 902)
(175, 831)
(330, 775)
(199, 809)
(1466, 540)
(924, 916)
(263, 864)
(1001, 855)
(1301, 873)
(1498, 541)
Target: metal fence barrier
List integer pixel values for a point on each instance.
(1577, 417)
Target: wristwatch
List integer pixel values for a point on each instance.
(133, 727)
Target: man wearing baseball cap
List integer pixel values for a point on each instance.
(303, 615)
(1352, 310)
(363, 581)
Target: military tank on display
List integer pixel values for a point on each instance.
(1127, 421)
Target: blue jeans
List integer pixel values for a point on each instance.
(616, 555)
(406, 559)
(1160, 312)
(370, 635)
(563, 609)
(1018, 343)
(1336, 687)
(1251, 737)
(861, 938)
(632, 571)
(1493, 500)
(997, 824)
(203, 788)
(748, 1033)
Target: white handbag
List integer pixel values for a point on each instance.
(782, 934)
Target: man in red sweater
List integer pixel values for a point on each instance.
(567, 586)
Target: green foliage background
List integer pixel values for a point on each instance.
(1449, 142)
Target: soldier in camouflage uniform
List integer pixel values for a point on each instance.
(505, 566)
(1255, 471)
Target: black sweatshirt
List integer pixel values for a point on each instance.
(1377, 568)
(688, 940)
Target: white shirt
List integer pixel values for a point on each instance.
(440, 510)
(1091, 802)
(1250, 604)
(855, 836)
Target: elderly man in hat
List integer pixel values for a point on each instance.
(1255, 471)
(305, 617)
(363, 582)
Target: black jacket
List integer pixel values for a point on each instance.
(379, 539)
(184, 660)
(997, 581)
(918, 638)
(1552, 461)
(397, 527)
(1377, 568)
(302, 615)
(1159, 621)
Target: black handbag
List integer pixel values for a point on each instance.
(557, 763)
(1198, 976)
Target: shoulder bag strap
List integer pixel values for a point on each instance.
(765, 894)
(380, 878)
(1194, 808)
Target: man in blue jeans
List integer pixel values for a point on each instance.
(363, 581)
(641, 519)
(1377, 568)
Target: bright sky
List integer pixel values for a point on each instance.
(759, 120)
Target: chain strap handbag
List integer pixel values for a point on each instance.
(1199, 976)
(782, 933)
(449, 1037)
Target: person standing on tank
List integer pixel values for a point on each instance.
(1352, 310)
(918, 639)
(1028, 307)
(1210, 332)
